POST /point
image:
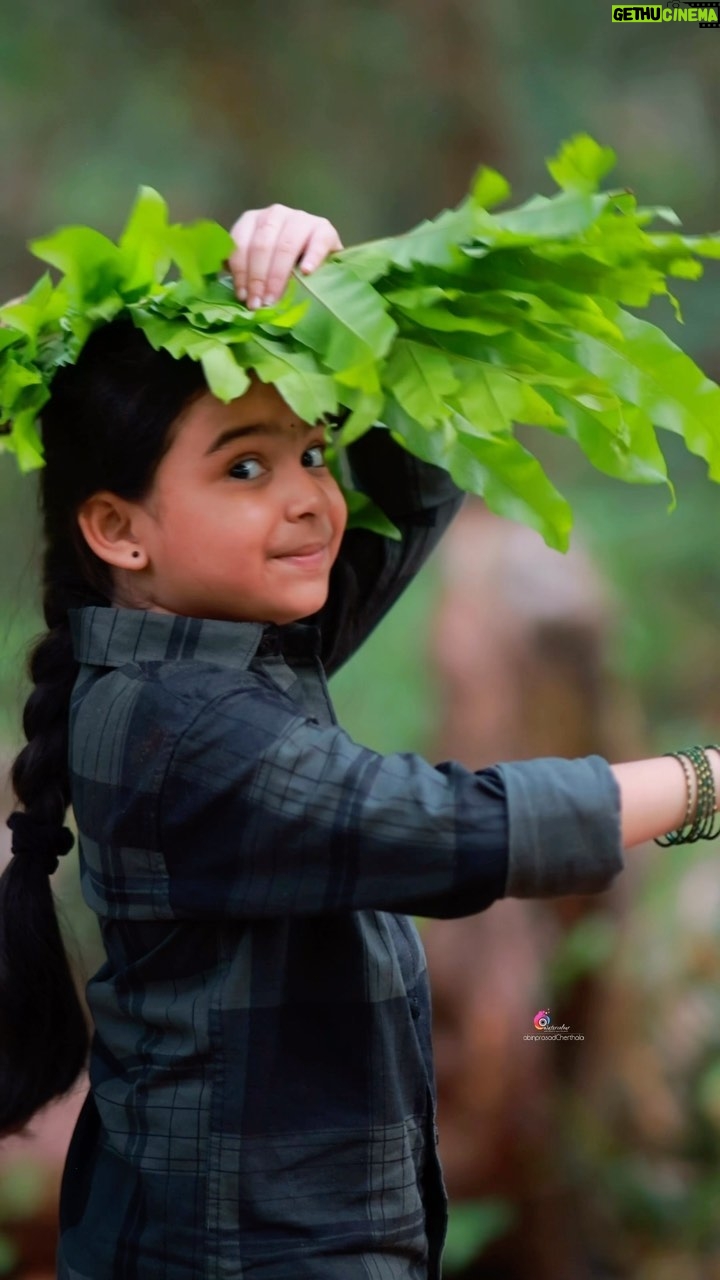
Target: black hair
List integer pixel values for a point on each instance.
(107, 425)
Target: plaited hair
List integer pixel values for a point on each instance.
(106, 426)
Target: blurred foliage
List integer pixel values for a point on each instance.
(8, 1256)
(376, 115)
(23, 1188)
(387, 695)
(667, 572)
(472, 1225)
(582, 950)
(642, 1144)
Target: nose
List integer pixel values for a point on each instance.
(304, 495)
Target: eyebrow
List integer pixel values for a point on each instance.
(253, 429)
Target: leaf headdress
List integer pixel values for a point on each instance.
(449, 335)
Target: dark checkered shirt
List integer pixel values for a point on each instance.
(262, 1095)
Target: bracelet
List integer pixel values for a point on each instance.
(695, 763)
(713, 834)
(676, 837)
(707, 799)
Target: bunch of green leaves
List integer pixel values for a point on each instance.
(449, 335)
(99, 280)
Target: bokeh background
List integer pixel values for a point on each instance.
(595, 1158)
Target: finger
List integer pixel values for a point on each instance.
(323, 241)
(269, 227)
(242, 232)
(299, 234)
(291, 243)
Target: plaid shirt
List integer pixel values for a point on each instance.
(262, 1094)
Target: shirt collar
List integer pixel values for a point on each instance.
(110, 637)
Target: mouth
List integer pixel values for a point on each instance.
(310, 557)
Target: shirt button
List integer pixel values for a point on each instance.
(269, 645)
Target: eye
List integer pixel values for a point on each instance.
(317, 449)
(245, 463)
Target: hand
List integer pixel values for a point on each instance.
(269, 243)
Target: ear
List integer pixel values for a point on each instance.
(106, 522)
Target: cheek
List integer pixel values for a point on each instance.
(339, 515)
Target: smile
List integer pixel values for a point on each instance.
(315, 560)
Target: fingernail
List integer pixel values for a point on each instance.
(242, 293)
(269, 299)
(255, 301)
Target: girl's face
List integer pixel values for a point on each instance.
(244, 520)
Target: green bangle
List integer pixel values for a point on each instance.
(677, 837)
(704, 780)
(712, 834)
(702, 827)
(707, 799)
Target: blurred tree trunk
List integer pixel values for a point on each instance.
(519, 638)
(461, 75)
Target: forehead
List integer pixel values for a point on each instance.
(206, 416)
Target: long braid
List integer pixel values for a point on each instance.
(43, 1032)
(107, 425)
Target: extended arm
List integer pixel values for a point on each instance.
(264, 812)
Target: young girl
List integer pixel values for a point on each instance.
(261, 1083)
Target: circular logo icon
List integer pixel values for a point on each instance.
(542, 1020)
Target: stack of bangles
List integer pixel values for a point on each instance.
(701, 797)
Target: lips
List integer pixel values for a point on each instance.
(312, 558)
(309, 550)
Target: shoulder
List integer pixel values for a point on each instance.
(150, 706)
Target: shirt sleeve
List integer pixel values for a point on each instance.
(264, 812)
(372, 571)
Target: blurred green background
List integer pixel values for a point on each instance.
(376, 115)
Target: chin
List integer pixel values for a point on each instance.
(303, 610)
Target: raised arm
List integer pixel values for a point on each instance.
(372, 571)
